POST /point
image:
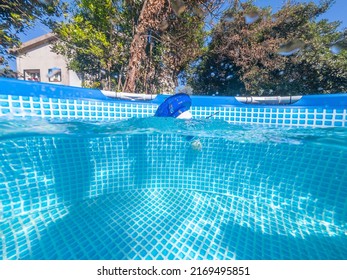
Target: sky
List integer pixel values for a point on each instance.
(338, 12)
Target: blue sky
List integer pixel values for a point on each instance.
(338, 12)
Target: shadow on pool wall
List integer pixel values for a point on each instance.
(150, 197)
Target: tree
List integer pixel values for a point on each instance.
(7, 72)
(17, 16)
(213, 74)
(166, 50)
(94, 41)
(283, 53)
(145, 43)
(174, 30)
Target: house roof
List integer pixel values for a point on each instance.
(33, 43)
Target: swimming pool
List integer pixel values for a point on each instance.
(84, 176)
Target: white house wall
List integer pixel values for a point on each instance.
(43, 58)
(74, 79)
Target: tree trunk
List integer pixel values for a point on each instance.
(147, 19)
(120, 79)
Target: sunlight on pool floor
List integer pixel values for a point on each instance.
(159, 224)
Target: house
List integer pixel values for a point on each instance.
(36, 62)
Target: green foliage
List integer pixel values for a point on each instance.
(173, 50)
(6, 72)
(91, 40)
(17, 16)
(104, 40)
(103, 37)
(214, 75)
(254, 51)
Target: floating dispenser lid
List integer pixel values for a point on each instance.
(174, 105)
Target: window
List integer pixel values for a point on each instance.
(32, 75)
(54, 74)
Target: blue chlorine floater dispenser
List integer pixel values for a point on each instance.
(176, 106)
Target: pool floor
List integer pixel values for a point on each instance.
(156, 224)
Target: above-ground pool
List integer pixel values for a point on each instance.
(85, 176)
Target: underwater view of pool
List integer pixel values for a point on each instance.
(173, 130)
(163, 188)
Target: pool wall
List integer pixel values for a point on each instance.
(27, 99)
(70, 198)
(153, 197)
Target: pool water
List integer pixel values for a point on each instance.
(144, 189)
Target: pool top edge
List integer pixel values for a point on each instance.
(46, 90)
